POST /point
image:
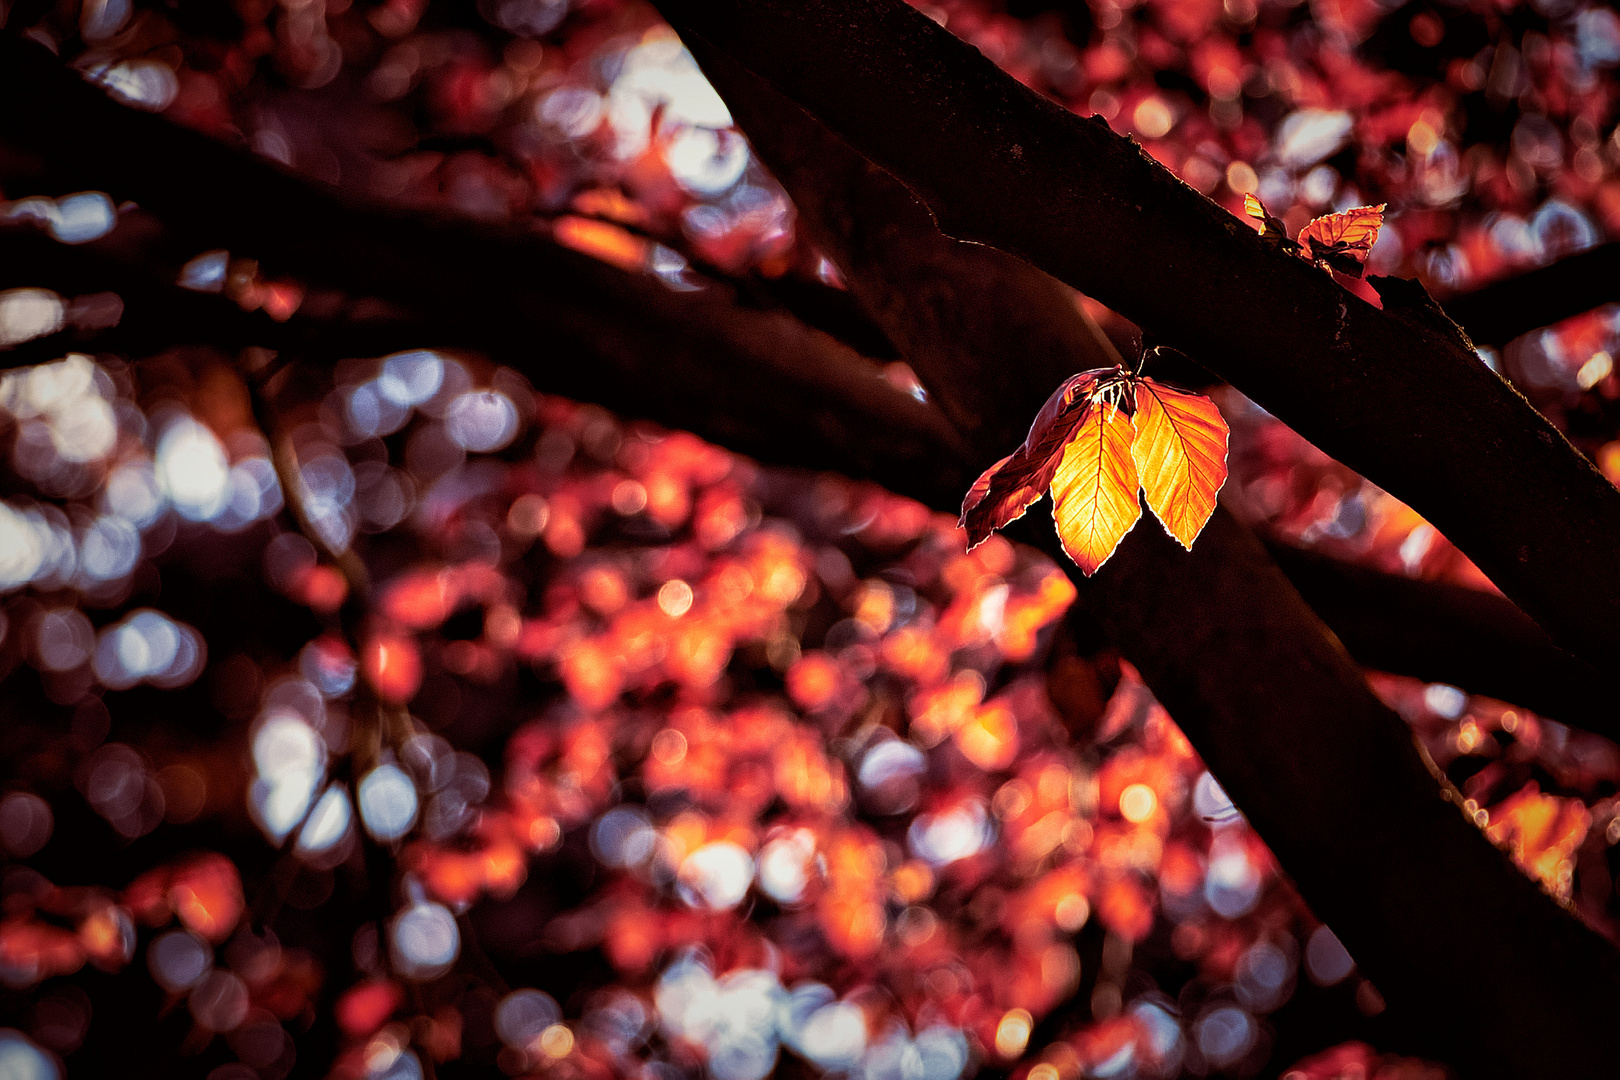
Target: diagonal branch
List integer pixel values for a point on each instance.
(1438, 917)
(1445, 633)
(756, 380)
(1497, 313)
(1240, 615)
(1398, 395)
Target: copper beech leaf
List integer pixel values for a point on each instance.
(1180, 456)
(1007, 488)
(1094, 488)
(1271, 227)
(1343, 241)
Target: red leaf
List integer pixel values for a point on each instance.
(1094, 488)
(1180, 455)
(1343, 241)
(1007, 488)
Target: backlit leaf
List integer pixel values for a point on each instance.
(1271, 227)
(1008, 487)
(1180, 455)
(1094, 488)
(1343, 241)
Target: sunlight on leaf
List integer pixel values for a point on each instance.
(1180, 455)
(1007, 488)
(1094, 489)
(1343, 241)
(1271, 227)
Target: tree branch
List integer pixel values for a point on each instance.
(1398, 395)
(1497, 313)
(1427, 629)
(756, 380)
(1485, 970)
(1432, 911)
(1445, 633)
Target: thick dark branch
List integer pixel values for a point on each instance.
(1487, 972)
(1430, 630)
(1001, 335)
(758, 381)
(1396, 394)
(1435, 914)
(1497, 313)
(1191, 622)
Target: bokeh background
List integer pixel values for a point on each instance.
(532, 738)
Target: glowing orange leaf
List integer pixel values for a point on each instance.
(1007, 488)
(604, 240)
(1271, 227)
(1343, 241)
(1180, 455)
(1094, 488)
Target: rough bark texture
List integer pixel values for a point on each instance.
(1396, 394)
(1344, 799)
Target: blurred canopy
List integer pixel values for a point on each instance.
(479, 591)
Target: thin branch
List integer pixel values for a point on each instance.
(1447, 633)
(749, 383)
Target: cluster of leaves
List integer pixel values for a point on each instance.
(1100, 438)
(1340, 242)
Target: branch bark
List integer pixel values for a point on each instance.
(1433, 912)
(724, 369)
(1398, 394)
(1429, 630)
(1445, 633)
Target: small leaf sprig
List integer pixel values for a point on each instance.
(1101, 437)
(1339, 242)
